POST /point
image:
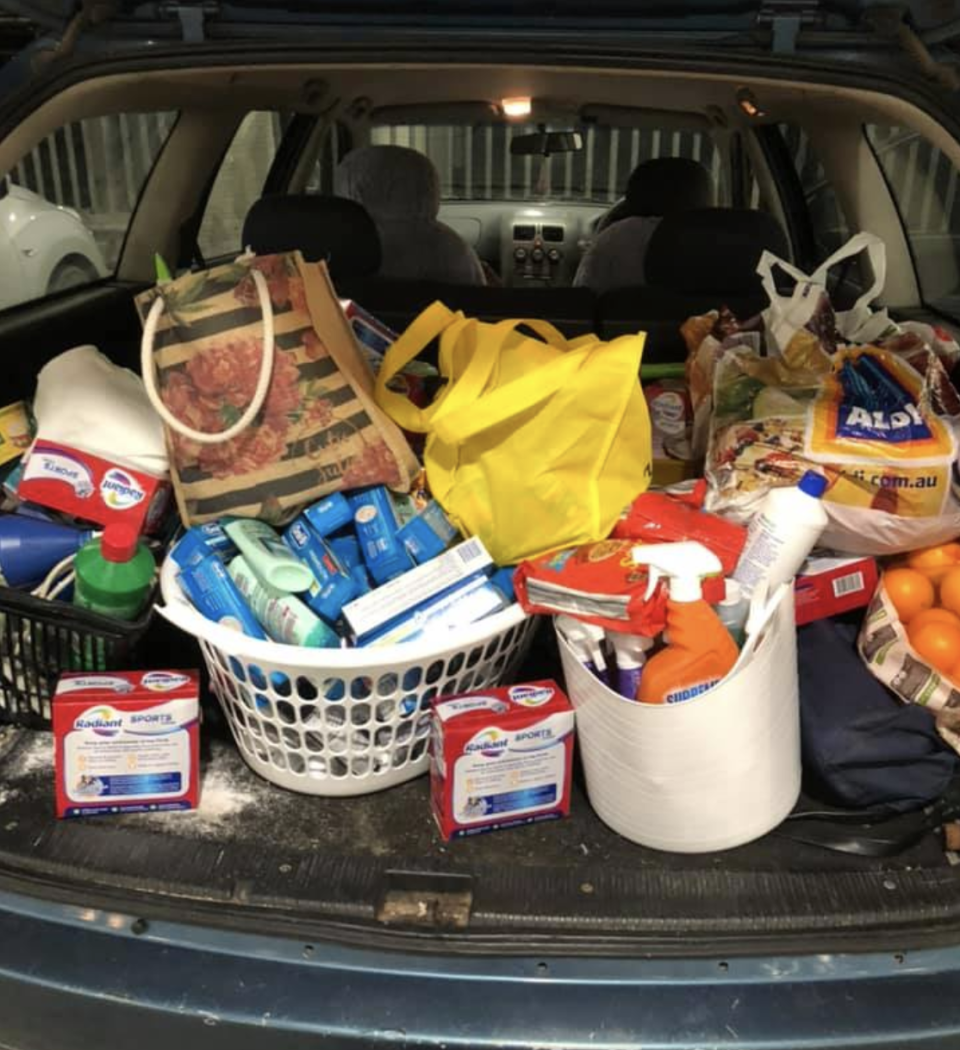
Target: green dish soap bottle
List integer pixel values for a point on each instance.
(114, 574)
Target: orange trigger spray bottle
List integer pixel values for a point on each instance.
(700, 650)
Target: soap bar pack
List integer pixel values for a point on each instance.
(126, 742)
(501, 758)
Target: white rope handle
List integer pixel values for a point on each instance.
(203, 437)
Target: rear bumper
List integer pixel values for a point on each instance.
(83, 977)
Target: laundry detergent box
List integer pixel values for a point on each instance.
(85, 486)
(126, 742)
(500, 758)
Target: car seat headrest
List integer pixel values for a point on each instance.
(667, 185)
(392, 182)
(713, 251)
(338, 231)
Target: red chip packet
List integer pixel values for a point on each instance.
(600, 582)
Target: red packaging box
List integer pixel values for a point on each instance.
(126, 742)
(77, 483)
(833, 584)
(501, 758)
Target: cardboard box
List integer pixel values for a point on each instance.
(126, 742)
(15, 431)
(93, 489)
(828, 585)
(501, 758)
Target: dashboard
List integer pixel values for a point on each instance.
(529, 245)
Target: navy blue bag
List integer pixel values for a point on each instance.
(862, 747)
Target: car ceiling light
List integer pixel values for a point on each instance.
(747, 101)
(516, 107)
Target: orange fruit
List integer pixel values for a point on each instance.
(950, 591)
(939, 645)
(935, 562)
(926, 616)
(910, 591)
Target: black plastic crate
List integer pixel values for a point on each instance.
(40, 638)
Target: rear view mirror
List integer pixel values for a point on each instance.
(545, 143)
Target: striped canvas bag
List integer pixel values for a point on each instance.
(266, 398)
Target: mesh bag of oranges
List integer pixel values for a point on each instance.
(910, 638)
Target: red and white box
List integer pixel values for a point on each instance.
(83, 485)
(501, 758)
(831, 584)
(126, 742)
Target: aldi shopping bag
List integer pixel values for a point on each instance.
(534, 443)
(267, 401)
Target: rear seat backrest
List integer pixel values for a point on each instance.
(332, 229)
(696, 261)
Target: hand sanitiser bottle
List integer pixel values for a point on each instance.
(700, 650)
(782, 533)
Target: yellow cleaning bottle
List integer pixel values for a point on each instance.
(700, 650)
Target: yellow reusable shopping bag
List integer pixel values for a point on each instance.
(533, 444)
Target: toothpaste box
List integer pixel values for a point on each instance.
(80, 484)
(126, 742)
(500, 758)
(826, 586)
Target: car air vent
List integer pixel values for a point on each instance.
(524, 233)
(553, 233)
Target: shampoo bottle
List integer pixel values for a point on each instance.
(700, 651)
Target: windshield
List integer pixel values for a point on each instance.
(475, 162)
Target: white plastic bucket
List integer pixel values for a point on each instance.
(707, 774)
(343, 721)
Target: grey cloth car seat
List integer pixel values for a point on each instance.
(400, 188)
(664, 186)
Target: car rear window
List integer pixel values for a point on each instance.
(68, 203)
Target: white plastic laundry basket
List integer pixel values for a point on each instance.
(706, 774)
(343, 721)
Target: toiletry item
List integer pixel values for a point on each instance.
(464, 604)
(30, 548)
(126, 742)
(286, 619)
(376, 522)
(428, 534)
(782, 533)
(269, 557)
(502, 579)
(346, 549)
(114, 574)
(361, 581)
(331, 513)
(594, 638)
(733, 611)
(700, 651)
(585, 646)
(212, 592)
(332, 588)
(629, 657)
(378, 608)
(203, 541)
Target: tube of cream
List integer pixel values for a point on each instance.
(213, 593)
(268, 556)
(630, 653)
(285, 618)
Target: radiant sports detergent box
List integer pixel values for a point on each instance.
(126, 742)
(83, 485)
(500, 758)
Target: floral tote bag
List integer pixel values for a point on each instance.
(266, 398)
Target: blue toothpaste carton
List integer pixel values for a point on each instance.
(333, 587)
(428, 534)
(346, 549)
(208, 585)
(330, 514)
(375, 519)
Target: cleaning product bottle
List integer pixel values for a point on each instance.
(733, 611)
(114, 573)
(782, 534)
(630, 655)
(700, 650)
(30, 548)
